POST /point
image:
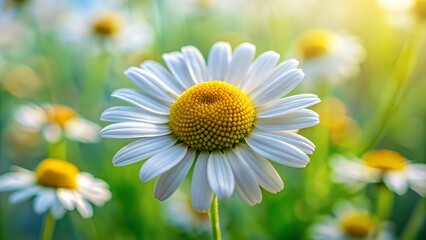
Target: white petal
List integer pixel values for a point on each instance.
(16, 180)
(134, 130)
(292, 121)
(176, 63)
(219, 175)
(293, 139)
(82, 130)
(162, 74)
(245, 181)
(132, 114)
(201, 193)
(287, 105)
(219, 58)
(142, 149)
(277, 88)
(417, 172)
(168, 182)
(83, 207)
(240, 63)
(196, 63)
(44, 200)
(397, 182)
(30, 116)
(265, 173)
(141, 100)
(52, 133)
(22, 195)
(151, 85)
(276, 150)
(162, 162)
(259, 70)
(66, 197)
(58, 211)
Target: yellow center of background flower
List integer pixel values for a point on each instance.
(108, 24)
(212, 115)
(357, 224)
(315, 43)
(420, 8)
(57, 174)
(385, 160)
(59, 114)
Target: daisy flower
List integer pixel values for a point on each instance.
(386, 166)
(57, 186)
(99, 24)
(349, 223)
(226, 116)
(57, 121)
(328, 56)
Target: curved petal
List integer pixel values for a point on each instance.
(44, 200)
(245, 183)
(83, 206)
(287, 105)
(132, 114)
(292, 121)
(201, 193)
(397, 182)
(277, 87)
(67, 198)
(162, 162)
(58, 211)
(196, 63)
(134, 130)
(176, 63)
(16, 180)
(259, 70)
(265, 173)
(142, 149)
(218, 62)
(240, 63)
(277, 151)
(162, 74)
(293, 139)
(219, 175)
(151, 85)
(168, 182)
(141, 100)
(23, 194)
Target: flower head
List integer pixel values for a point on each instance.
(57, 186)
(384, 166)
(55, 121)
(227, 116)
(328, 56)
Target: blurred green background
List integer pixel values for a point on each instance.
(40, 65)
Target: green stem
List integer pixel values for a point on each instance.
(214, 219)
(58, 150)
(415, 222)
(402, 73)
(384, 202)
(48, 227)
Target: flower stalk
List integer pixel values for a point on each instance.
(48, 227)
(214, 219)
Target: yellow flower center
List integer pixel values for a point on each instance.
(420, 8)
(57, 174)
(385, 160)
(107, 24)
(59, 114)
(357, 224)
(212, 115)
(315, 43)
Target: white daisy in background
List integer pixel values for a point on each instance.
(178, 212)
(404, 12)
(227, 116)
(328, 56)
(350, 223)
(57, 186)
(99, 24)
(386, 166)
(57, 121)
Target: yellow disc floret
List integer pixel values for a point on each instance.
(107, 24)
(212, 115)
(315, 43)
(56, 174)
(358, 224)
(385, 160)
(59, 114)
